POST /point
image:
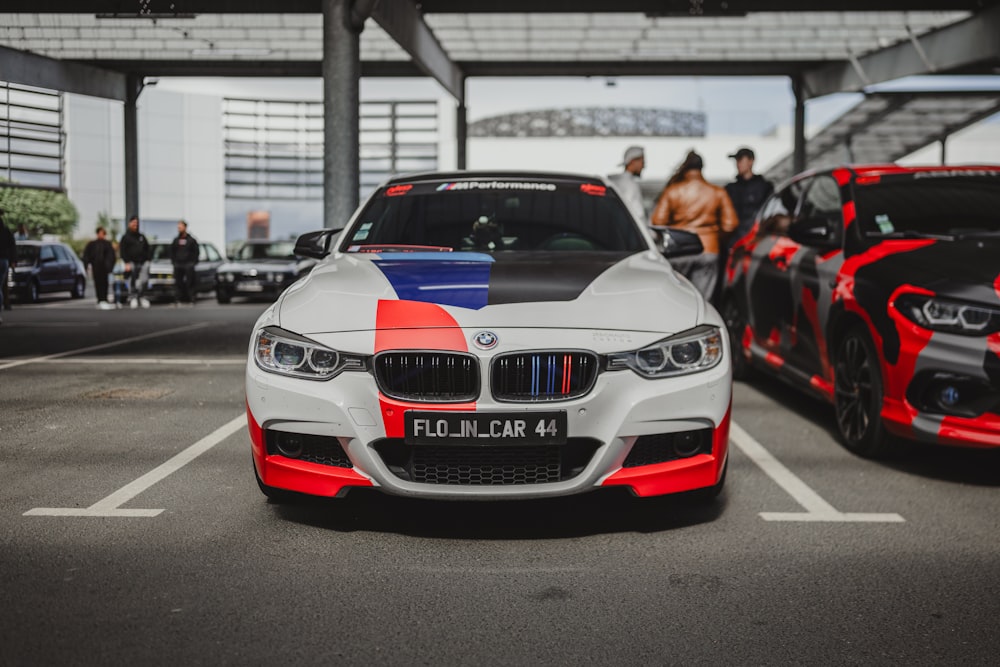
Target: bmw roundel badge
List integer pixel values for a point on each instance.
(485, 340)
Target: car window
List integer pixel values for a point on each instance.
(202, 252)
(277, 250)
(47, 254)
(929, 203)
(62, 253)
(211, 253)
(27, 255)
(160, 252)
(776, 215)
(821, 200)
(515, 214)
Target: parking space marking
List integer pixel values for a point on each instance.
(151, 361)
(111, 505)
(103, 346)
(816, 508)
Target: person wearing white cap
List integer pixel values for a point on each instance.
(627, 182)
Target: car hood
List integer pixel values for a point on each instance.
(265, 265)
(560, 290)
(965, 269)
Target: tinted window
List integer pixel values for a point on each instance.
(277, 250)
(212, 253)
(47, 253)
(62, 253)
(928, 204)
(27, 255)
(777, 213)
(822, 199)
(496, 215)
(160, 252)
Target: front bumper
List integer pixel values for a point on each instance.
(621, 413)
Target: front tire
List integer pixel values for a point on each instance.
(857, 396)
(79, 289)
(736, 324)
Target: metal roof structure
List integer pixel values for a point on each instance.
(886, 126)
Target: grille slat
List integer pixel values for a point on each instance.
(543, 376)
(438, 377)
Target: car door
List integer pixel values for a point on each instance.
(64, 262)
(810, 271)
(48, 269)
(208, 261)
(769, 296)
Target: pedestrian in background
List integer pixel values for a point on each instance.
(627, 182)
(690, 203)
(184, 256)
(22, 232)
(747, 192)
(8, 258)
(99, 258)
(135, 255)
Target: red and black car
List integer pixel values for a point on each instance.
(878, 289)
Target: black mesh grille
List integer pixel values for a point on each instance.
(543, 376)
(438, 377)
(662, 447)
(324, 450)
(474, 465)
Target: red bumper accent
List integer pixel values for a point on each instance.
(696, 472)
(301, 476)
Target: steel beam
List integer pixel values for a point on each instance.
(964, 46)
(30, 69)
(341, 114)
(402, 21)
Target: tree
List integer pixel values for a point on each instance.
(41, 211)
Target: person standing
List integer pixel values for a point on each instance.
(135, 254)
(690, 203)
(747, 192)
(627, 182)
(22, 232)
(99, 258)
(8, 258)
(184, 256)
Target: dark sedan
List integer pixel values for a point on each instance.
(260, 268)
(161, 283)
(43, 267)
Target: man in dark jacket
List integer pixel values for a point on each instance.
(99, 257)
(134, 249)
(748, 191)
(184, 256)
(8, 258)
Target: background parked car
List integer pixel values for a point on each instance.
(878, 289)
(260, 268)
(46, 266)
(161, 271)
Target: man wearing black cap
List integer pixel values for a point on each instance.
(748, 191)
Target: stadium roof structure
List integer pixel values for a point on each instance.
(886, 126)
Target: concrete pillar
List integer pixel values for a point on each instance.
(341, 113)
(133, 86)
(461, 130)
(799, 146)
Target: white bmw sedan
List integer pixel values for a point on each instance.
(478, 335)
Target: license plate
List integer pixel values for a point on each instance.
(485, 428)
(249, 287)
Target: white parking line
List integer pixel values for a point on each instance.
(816, 508)
(103, 346)
(111, 505)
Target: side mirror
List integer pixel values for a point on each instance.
(677, 242)
(815, 233)
(315, 244)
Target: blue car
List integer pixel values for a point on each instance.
(43, 267)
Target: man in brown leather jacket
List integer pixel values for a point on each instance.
(691, 203)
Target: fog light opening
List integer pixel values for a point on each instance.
(687, 444)
(949, 396)
(289, 445)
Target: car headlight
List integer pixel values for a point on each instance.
(956, 317)
(688, 352)
(286, 353)
(230, 277)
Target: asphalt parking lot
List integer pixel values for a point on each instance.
(132, 531)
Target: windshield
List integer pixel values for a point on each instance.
(930, 203)
(27, 255)
(495, 216)
(160, 252)
(277, 250)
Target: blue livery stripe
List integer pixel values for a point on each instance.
(463, 280)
